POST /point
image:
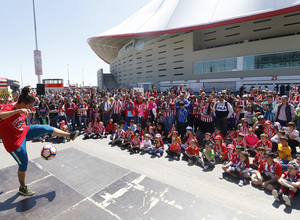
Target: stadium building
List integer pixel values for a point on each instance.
(205, 43)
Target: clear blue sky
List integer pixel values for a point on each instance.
(63, 28)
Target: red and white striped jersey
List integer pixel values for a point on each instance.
(120, 133)
(204, 113)
(117, 107)
(101, 129)
(168, 106)
(128, 136)
(287, 176)
(269, 131)
(243, 103)
(270, 170)
(239, 164)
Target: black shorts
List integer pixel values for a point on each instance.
(266, 178)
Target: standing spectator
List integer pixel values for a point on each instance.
(206, 118)
(43, 112)
(53, 112)
(106, 109)
(282, 90)
(285, 112)
(129, 110)
(70, 109)
(167, 110)
(270, 108)
(182, 119)
(222, 112)
(82, 108)
(153, 109)
(143, 113)
(117, 108)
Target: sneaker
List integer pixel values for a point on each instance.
(74, 135)
(287, 200)
(241, 183)
(221, 176)
(275, 195)
(25, 191)
(205, 167)
(190, 161)
(110, 142)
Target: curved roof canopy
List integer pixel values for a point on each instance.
(172, 16)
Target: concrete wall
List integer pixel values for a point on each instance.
(171, 59)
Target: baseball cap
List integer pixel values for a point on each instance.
(218, 137)
(230, 146)
(189, 128)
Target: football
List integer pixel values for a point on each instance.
(48, 152)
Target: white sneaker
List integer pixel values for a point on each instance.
(190, 161)
(221, 176)
(275, 195)
(205, 167)
(287, 200)
(241, 183)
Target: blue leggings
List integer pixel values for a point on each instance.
(20, 155)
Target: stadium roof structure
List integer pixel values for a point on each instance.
(160, 17)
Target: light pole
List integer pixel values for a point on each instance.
(37, 53)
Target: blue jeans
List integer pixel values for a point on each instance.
(105, 118)
(168, 124)
(71, 117)
(20, 155)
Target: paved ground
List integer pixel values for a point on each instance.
(92, 180)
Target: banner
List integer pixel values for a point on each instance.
(4, 94)
(38, 62)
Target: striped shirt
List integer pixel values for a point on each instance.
(168, 106)
(204, 113)
(117, 107)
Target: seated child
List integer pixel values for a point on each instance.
(140, 131)
(263, 142)
(100, 132)
(284, 152)
(231, 155)
(152, 134)
(110, 127)
(187, 143)
(231, 134)
(160, 130)
(239, 140)
(128, 137)
(243, 127)
(192, 153)
(220, 149)
(290, 184)
(64, 127)
(207, 139)
(269, 130)
(268, 173)
(135, 144)
(89, 131)
(259, 157)
(275, 140)
(170, 135)
(158, 146)
(239, 167)
(251, 140)
(146, 144)
(174, 149)
(208, 156)
(216, 133)
(132, 125)
(117, 138)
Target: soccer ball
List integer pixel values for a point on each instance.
(48, 152)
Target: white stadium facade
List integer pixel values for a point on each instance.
(205, 43)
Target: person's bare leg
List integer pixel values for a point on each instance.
(21, 176)
(58, 132)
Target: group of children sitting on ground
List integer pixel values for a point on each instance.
(279, 174)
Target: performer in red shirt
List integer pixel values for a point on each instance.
(15, 133)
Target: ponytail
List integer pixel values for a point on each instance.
(26, 97)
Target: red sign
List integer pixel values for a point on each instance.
(38, 62)
(274, 77)
(198, 81)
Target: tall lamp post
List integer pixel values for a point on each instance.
(37, 53)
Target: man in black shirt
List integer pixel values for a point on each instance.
(53, 112)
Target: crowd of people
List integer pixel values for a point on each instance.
(254, 134)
